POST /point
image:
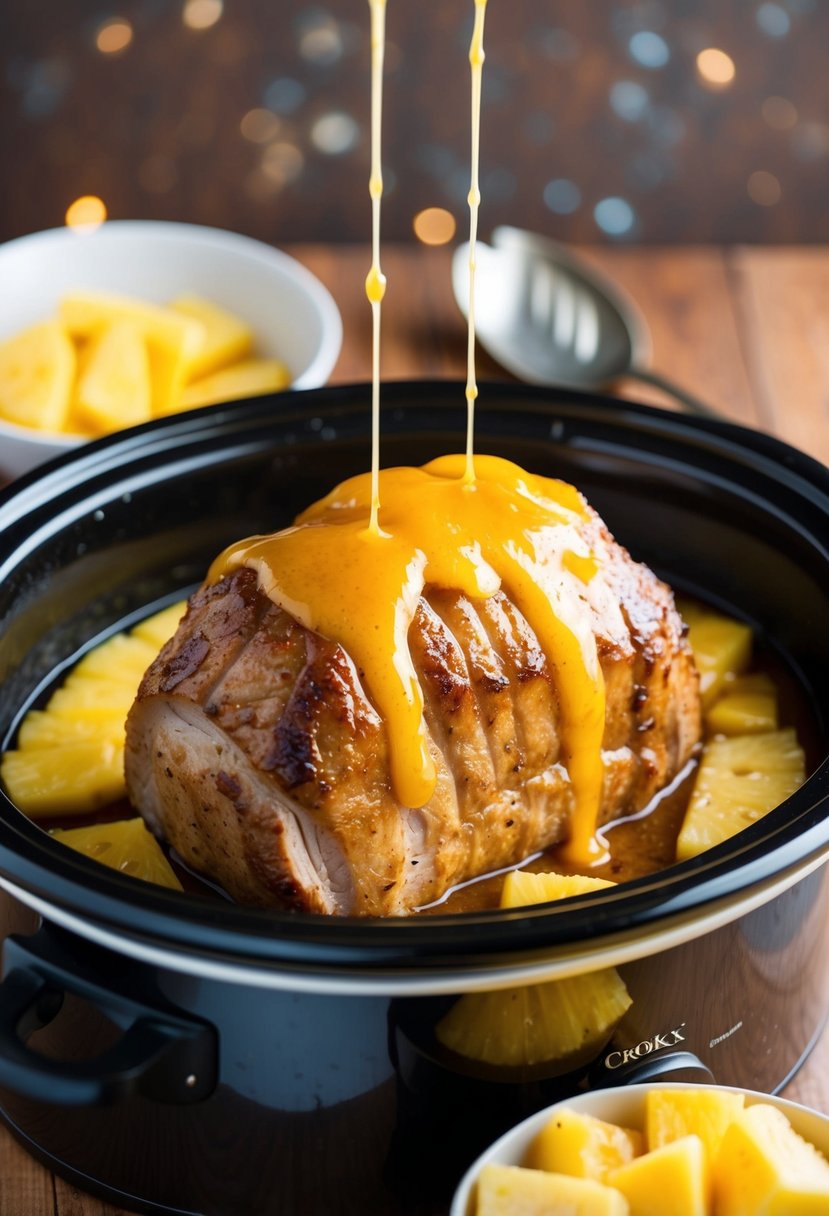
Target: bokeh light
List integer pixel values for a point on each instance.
(434, 226)
(649, 50)
(321, 42)
(335, 133)
(655, 87)
(282, 162)
(629, 100)
(810, 141)
(201, 14)
(284, 95)
(260, 126)
(773, 20)
(763, 188)
(562, 196)
(779, 113)
(114, 36)
(614, 215)
(715, 67)
(86, 213)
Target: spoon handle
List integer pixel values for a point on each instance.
(689, 402)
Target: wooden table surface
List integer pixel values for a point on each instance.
(745, 329)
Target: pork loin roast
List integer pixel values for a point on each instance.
(254, 749)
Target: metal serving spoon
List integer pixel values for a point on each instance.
(548, 318)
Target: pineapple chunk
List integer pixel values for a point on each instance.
(37, 369)
(227, 338)
(122, 658)
(722, 649)
(739, 781)
(172, 339)
(674, 1178)
(522, 887)
(126, 846)
(114, 388)
(70, 755)
(246, 379)
(95, 700)
(582, 1146)
(747, 706)
(764, 1168)
(77, 422)
(160, 627)
(86, 314)
(168, 374)
(671, 1114)
(41, 729)
(68, 779)
(534, 1024)
(509, 1190)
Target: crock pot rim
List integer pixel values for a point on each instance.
(794, 831)
(215, 927)
(109, 453)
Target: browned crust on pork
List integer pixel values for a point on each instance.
(254, 749)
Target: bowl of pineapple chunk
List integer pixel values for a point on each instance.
(656, 1150)
(140, 319)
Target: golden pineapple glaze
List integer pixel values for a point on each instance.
(476, 63)
(355, 573)
(375, 279)
(361, 587)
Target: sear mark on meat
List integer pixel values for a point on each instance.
(281, 788)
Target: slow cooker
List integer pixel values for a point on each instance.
(182, 1054)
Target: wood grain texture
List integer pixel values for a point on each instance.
(782, 299)
(747, 329)
(684, 297)
(26, 1189)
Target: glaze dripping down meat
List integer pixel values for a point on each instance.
(255, 750)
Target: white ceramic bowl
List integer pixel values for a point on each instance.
(624, 1105)
(292, 315)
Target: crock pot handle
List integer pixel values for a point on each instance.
(161, 1055)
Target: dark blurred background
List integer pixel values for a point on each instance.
(653, 121)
